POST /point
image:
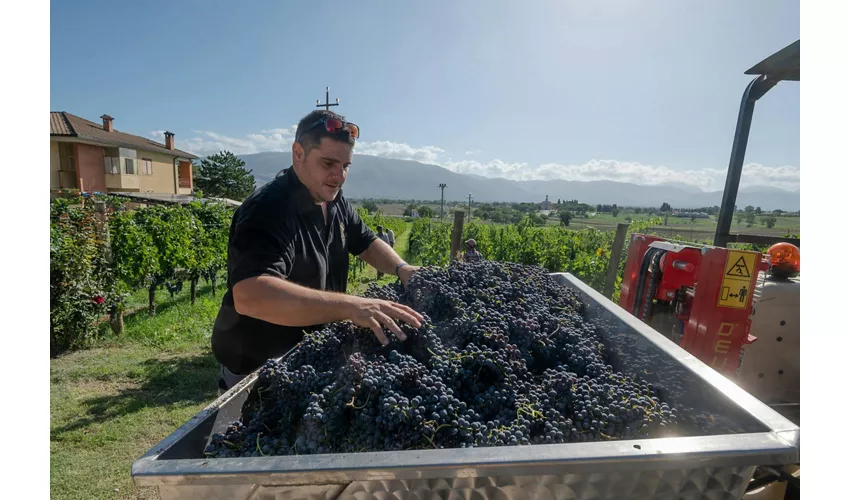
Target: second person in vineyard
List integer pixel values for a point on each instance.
(288, 252)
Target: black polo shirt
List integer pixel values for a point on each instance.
(280, 231)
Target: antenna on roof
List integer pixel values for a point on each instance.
(327, 105)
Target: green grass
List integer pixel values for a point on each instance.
(607, 221)
(370, 275)
(111, 403)
(138, 299)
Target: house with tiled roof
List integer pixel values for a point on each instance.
(94, 157)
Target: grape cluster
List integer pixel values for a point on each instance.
(503, 358)
(174, 287)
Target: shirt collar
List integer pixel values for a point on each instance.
(303, 198)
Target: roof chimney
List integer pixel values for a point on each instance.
(169, 140)
(107, 123)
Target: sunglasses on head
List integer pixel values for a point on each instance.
(333, 125)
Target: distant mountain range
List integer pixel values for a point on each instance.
(376, 177)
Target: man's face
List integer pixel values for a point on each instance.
(324, 169)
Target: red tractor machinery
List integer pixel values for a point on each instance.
(737, 311)
(700, 297)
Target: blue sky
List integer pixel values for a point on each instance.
(637, 91)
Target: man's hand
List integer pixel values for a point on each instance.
(405, 272)
(376, 314)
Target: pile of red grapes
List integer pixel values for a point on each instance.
(503, 358)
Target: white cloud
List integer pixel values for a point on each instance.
(708, 179)
(754, 174)
(206, 142)
(400, 151)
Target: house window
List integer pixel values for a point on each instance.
(146, 166)
(112, 165)
(129, 166)
(66, 157)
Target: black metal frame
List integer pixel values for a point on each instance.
(770, 474)
(784, 65)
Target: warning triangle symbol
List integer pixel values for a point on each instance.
(739, 269)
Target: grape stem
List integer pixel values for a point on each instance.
(351, 403)
(258, 444)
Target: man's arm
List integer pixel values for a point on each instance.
(383, 258)
(281, 302)
(260, 256)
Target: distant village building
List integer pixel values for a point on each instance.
(546, 205)
(688, 215)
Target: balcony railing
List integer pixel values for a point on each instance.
(184, 183)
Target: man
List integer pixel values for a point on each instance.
(391, 237)
(382, 235)
(471, 254)
(288, 252)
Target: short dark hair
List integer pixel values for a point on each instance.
(311, 138)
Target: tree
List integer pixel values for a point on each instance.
(749, 208)
(758, 210)
(537, 219)
(615, 211)
(426, 212)
(665, 207)
(370, 206)
(750, 219)
(740, 218)
(408, 211)
(769, 221)
(565, 216)
(223, 175)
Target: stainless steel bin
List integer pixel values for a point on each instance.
(711, 467)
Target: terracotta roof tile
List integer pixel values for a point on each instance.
(66, 124)
(59, 125)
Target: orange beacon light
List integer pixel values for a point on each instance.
(784, 260)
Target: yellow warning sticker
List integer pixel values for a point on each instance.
(739, 270)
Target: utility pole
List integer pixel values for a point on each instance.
(327, 105)
(442, 198)
(469, 210)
